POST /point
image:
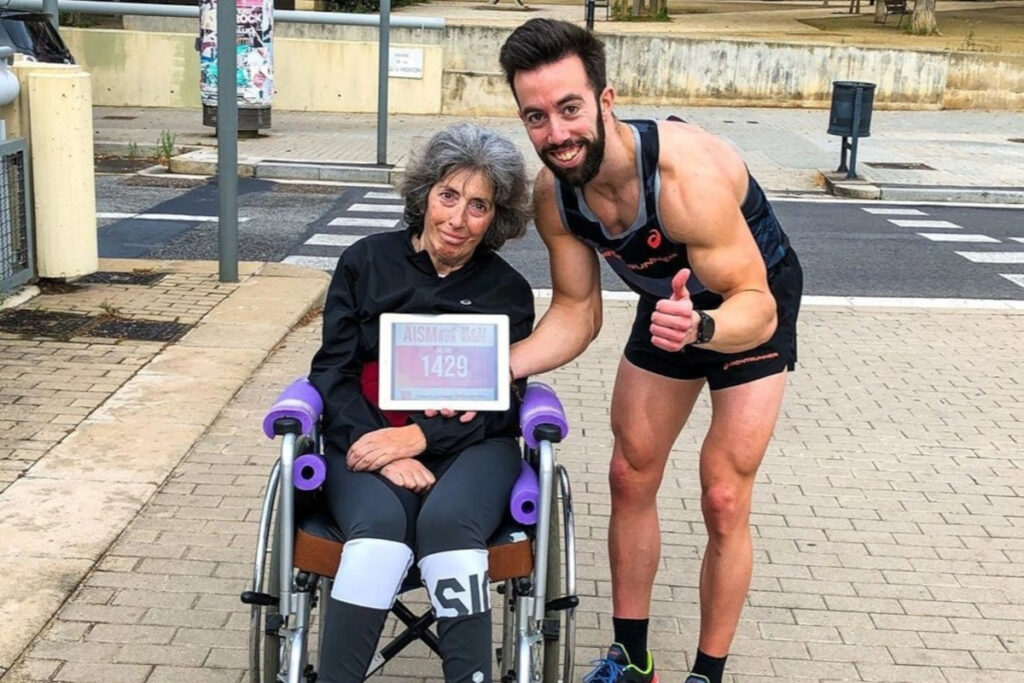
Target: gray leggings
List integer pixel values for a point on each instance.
(458, 514)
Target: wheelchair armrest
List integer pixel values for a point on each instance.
(296, 410)
(542, 416)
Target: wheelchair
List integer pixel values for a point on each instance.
(299, 548)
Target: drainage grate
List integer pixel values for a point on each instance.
(899, 166)
(42, 323)
(35, 323)
(112, 278)
(116, 117)
(140, 330)
(1020, 140)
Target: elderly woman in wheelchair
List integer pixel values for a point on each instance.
(433, 497)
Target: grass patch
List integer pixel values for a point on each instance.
(996, 29)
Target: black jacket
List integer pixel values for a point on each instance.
(382, 274)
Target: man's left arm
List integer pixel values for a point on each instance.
(704, 213)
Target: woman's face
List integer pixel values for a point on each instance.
(460, 208)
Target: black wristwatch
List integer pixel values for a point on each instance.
(705, 329)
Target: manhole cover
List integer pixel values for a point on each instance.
(140, 330)
(899, 166)
(112, 278)
(42, 323)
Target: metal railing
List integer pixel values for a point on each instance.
(292, 16)
(17, 251)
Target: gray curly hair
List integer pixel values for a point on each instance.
(469, 147)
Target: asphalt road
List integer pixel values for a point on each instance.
(847, 248)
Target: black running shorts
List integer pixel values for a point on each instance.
(785, 280)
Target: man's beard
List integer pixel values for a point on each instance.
(593, 151)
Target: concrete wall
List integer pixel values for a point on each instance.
(154, 69)
(145, 67)
(687, 71)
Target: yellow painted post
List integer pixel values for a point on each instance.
(64, 184)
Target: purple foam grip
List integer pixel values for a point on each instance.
(525, 496)
(309, 472)
(299, 400)
(541, 407)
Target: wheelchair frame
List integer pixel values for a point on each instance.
(536, 637)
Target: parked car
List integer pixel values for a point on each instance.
(32, 34)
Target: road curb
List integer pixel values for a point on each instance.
(204, 162)
(837, 184)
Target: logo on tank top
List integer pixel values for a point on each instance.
(654, 238)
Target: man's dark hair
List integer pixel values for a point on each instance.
(539, 42)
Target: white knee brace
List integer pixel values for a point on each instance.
(371, 572)
(457, 582)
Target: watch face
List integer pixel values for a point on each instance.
(706, 329)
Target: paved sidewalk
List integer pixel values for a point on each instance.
(93, 417)
(966, 155)
(888, 518)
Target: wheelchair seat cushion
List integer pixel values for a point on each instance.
(319, 544)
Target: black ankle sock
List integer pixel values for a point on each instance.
(632, 635)
(709, 667)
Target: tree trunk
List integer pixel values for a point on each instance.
(923, 21)
(879, 11)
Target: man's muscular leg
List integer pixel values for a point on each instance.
(742, 420)
(647, 412)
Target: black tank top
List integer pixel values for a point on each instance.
(644, 256)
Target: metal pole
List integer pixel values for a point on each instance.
(858, 92)
(227, 140)
(384, 45)
(50, 7)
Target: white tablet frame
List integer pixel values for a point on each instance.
(386, 399)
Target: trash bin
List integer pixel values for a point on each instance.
(844, 99)
(850, 117)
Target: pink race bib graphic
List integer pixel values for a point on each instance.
(444, 361)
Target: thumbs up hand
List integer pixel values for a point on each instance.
(673, 322)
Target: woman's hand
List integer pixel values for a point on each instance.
(373, 451)
(409, 474)
(448, 413)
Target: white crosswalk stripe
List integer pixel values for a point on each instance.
(320, 262)
(957, 237)
(377, 208)
(993, 256)
(888, 211)
(1018, 239)
(909, 223)
(349, 222)
(322, 249)
(116, 215)
(1015, 278)
(328, 240)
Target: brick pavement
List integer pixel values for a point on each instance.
(888, 521)
(92, 424)
(50, 386)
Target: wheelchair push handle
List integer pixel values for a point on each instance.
(296, 410)
(542, 416)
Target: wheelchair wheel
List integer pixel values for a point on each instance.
(552, 627)
(271, 639)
